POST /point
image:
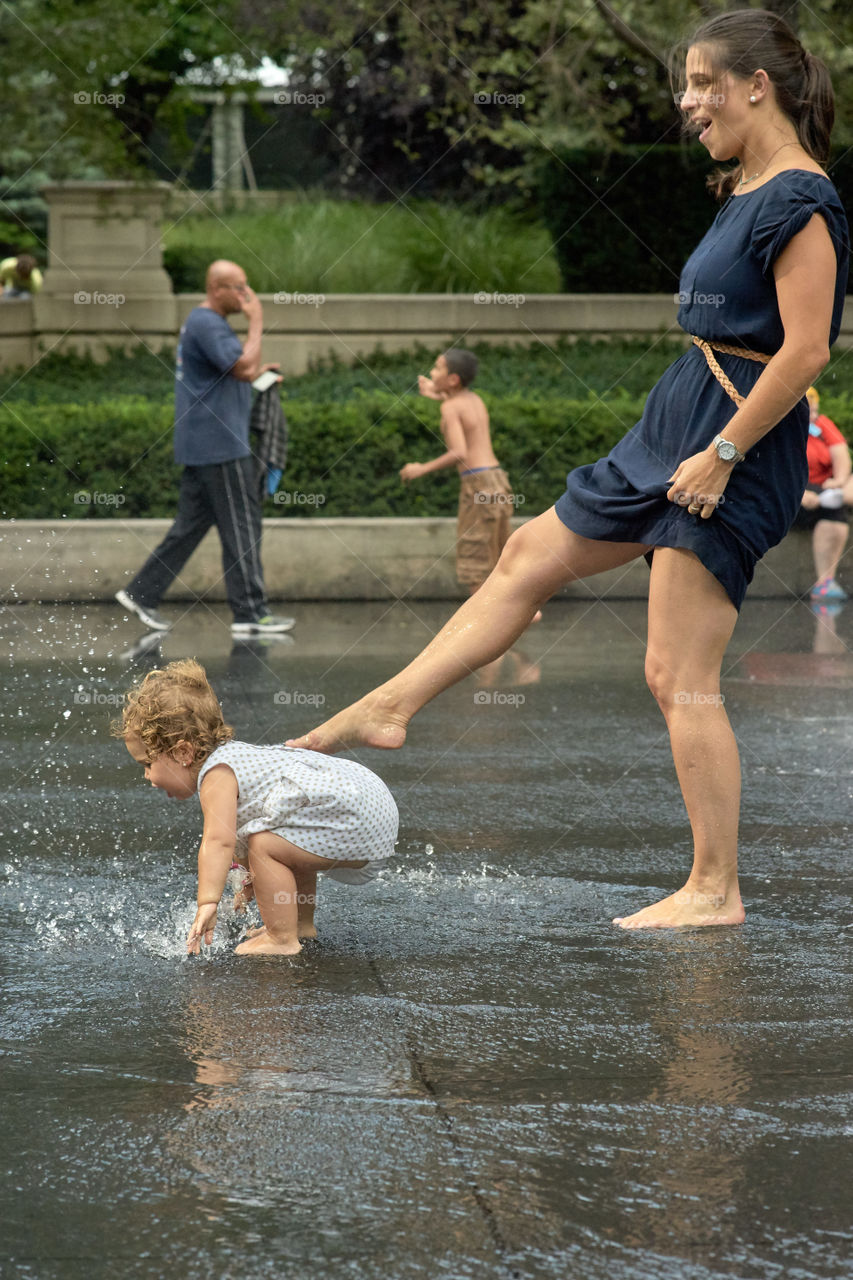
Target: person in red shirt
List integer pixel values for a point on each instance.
(828, 495)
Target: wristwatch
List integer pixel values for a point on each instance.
(726, 451)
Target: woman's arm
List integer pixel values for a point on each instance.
(218, 795)
(805, 288)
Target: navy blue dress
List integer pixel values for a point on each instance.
(727, 294)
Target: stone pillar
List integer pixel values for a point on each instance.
(229, 144)
(105, 285)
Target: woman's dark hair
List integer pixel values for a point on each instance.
(743, 40)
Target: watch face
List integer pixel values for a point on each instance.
(727, 451)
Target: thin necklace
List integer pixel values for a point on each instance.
(744, 181)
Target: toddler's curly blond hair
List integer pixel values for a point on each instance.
(174, 704)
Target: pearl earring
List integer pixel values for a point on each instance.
(752, 97)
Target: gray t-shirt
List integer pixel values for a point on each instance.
(211, 406)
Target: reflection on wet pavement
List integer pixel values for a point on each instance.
(471, 1073)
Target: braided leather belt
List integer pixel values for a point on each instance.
(708, 349)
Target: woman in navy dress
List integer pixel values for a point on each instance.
(714, 472)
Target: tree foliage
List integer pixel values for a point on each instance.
(479, 93)
(434, 97)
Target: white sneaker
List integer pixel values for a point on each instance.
(268, 625)
(152, 619)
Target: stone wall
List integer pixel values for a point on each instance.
(105, 287)
(360, 559)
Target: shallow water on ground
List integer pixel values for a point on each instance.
(472, 1073)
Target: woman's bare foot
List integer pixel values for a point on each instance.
(264, 945)
(688, 908)
(374, 721)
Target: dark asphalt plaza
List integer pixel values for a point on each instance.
(472, 1073)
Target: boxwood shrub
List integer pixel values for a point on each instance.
(113, 458)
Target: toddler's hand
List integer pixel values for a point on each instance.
(412, 471)
(244, 896)
(202, 927)
(427, 388)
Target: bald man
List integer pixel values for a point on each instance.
(219, 484)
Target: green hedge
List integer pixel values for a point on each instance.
(64, 432)
(626, 221)
(564, 368)
(114, 458)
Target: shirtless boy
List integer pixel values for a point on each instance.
(485, 497)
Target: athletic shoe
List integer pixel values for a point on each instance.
(260, 644)
(147, 646)
(827, 589)
(830, 609)
(152, 619)
(268, 625)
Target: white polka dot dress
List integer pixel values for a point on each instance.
(333, 808)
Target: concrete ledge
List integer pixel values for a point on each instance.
(17, 333)
(302, 328)
(358, 559)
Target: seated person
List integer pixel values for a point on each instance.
(826, 500)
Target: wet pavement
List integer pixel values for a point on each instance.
(472, 1073)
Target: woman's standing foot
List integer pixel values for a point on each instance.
(688, 908)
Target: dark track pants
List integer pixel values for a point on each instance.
(224, 494)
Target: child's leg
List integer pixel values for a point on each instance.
(275, 894)
(306, 902)
(278, 869)
(828, 541)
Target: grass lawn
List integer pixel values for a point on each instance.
(317, 245)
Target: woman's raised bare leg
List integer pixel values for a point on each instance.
(691, 620)
(538, 559)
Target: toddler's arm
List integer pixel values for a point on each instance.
(218, 796)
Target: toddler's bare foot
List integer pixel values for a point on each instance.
(302, 931)
(688, 907)
(374, 721)
(264, 945)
